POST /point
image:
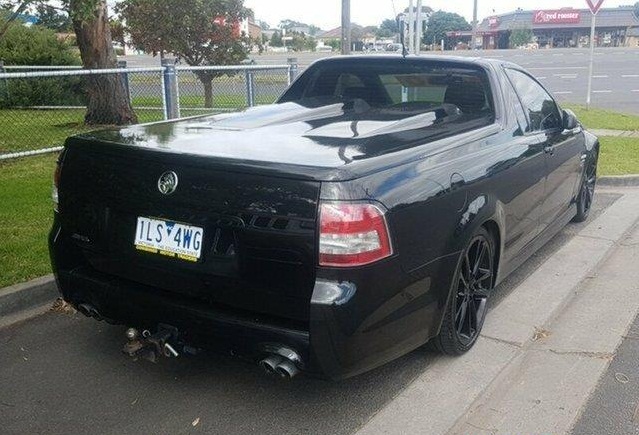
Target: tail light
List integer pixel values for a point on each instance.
(56, 182)
(352, 234)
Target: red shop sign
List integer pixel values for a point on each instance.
(560, 16)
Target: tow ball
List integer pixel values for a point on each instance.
(164, 342)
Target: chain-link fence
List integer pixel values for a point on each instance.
(40, 107)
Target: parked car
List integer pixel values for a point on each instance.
(371, 209)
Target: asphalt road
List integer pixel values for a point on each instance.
(563, 71)
(62, 373)
(614, 406)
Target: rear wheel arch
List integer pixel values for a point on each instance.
(494, 230)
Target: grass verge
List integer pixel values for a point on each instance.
(605, 119)
(26, 213)
(619, 156)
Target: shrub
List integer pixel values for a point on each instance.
(35, 45)
(39, 46)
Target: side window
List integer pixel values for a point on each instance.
(541, 108)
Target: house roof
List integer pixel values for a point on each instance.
(335, 33)
(611, 17)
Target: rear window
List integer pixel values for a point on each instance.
(397, 86)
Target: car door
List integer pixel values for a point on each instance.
(562, 148)
(522, 187)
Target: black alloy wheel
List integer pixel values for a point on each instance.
(587, 191)
(466, 310)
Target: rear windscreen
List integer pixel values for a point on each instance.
(396, 86)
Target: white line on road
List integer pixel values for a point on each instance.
(560, 67)
(600, 77)
(629, 75)
(566, 76)
(635, 90)
(578, 54)
(540, 78)
(601, 92)
(562, 92)
(558, 54)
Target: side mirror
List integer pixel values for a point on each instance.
(570, 120)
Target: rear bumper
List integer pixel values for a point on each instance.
(359, 319)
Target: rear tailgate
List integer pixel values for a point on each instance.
(258, 248)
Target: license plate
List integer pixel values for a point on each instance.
(169, 238)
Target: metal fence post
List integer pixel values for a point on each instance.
(124, 76)
(250, 88)
(170, 90)
(292, 69)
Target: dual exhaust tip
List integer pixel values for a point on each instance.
(279, 365)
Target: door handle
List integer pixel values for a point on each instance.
(549, 149)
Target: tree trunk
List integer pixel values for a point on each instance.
(208, 92)
(108, 101)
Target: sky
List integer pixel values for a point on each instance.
(326, 13)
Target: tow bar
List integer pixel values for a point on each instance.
(164, 342)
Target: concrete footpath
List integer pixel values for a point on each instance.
(615, 133)
(543, 348)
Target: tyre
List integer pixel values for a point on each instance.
(586, 190)
(467, 304)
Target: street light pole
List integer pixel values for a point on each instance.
(411, 27)
(592, 59)
(418, 28)
(474, 36)
(346, 26)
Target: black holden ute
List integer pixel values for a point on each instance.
(370, 210)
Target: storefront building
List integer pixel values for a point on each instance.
(555, 28)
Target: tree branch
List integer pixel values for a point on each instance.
(22, 6)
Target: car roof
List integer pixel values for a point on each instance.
(464, 60)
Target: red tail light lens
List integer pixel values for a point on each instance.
(352, 234)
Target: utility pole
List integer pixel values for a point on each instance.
(419, 28)
(411, 27)
(346, 26)
(474, 37)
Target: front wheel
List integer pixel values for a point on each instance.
(586, 191)
(467, 305)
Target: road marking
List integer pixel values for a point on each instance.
(578, 54)
(600, 77)
(635, 90)
(558, 54)
(560, 67)
(601, 92)
(566, 76)
(562, 92)
(540, 78)
(629, 75)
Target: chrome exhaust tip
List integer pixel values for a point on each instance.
(287, 369)
(95, 314)
(270, 364)
(85, 309)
